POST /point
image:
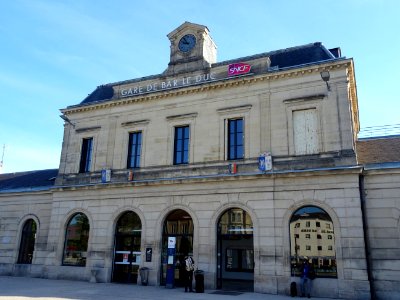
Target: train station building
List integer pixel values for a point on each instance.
(249, 165)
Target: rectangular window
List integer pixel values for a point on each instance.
(308, 247)
(235, 139)
(318, 224)
(86, 155)
(305, 131)
(181, 145)
(308, 236)
(319, 248)
(134, 150)
(308, 224)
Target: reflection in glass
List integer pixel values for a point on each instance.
(76, 241)
(235, 221)
(235, 250)
(312, 237)
(181, 145)
(235, 139)
(129, 223)
(239, 260)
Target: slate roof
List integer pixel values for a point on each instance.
(280, 59)
(296, 56)
(378, 150)
(27, 181)
(102, 92)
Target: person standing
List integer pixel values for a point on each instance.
(189, 268)
(306, 277)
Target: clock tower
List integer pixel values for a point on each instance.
(192, 48)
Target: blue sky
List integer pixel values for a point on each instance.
(54, 53)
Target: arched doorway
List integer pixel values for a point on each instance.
(235, 251)
(178, 224)
(27, 245)
(128, 234)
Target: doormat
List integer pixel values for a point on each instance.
(228, 293)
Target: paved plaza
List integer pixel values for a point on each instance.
(24, 288)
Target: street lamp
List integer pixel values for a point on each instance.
(325, 77)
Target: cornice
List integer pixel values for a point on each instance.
(335, 171)
(353, 96)
(220, 84)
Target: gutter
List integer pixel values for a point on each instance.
(367, 246)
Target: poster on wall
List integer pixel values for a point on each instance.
(171, 242)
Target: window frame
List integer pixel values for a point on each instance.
(229, 113)
(122, 140)
(298, 104)
(137, 155)
(27, 242)
(86, 159)
(181, 121)
(66, 239)
(233, 140)
(311, 249)
(181, 153)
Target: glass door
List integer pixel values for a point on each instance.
(178, 224)
(127, 254)
(235, 251)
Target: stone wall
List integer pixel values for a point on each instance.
(382, 199)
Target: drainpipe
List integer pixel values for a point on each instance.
(366, 238)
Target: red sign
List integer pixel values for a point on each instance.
(238, 69)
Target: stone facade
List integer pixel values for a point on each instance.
(197, 92)
(383, 219)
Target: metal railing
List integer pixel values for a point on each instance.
(379, 131)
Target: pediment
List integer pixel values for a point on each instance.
(187, 26)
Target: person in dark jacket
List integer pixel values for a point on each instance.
(307, 272)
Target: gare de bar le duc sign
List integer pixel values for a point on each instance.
(233, 70)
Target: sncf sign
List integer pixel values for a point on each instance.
(238, 68)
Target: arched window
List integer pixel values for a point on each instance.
(76, 240)
(312, 237)
(27, 244)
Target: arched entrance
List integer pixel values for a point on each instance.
(27, 245)
(235, 251)
(128, 234)
(178, 224)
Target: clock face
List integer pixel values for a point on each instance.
(187, 43)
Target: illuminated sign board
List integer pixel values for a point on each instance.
(238, 69)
